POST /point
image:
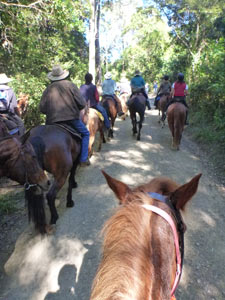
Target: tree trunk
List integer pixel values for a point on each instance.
(97, 46)
(92, 39)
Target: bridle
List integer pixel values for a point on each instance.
(178, 230)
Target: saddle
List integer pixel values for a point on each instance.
(69, 129)
(10, 123)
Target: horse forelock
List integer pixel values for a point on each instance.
(132, 242)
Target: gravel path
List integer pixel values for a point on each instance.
(62, 266)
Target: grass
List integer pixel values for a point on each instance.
(210, 139)
(9, 202)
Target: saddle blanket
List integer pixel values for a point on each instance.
(100, 115)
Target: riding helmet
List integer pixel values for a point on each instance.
(180, 76)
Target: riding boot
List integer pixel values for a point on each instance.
(119, 106)
(148, 104)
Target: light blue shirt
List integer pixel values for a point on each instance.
(108, 87)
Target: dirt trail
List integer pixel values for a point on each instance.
(62, 266)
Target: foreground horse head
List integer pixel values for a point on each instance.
(110, 106)
(58, 153)
(176, 115)
(137, 105)
(140, 248)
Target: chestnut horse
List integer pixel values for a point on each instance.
(176, 115)
(123, 99)
(94, 125)
(58, 153)
(162, 108)
(110, 106)
(142, 251)
(137, 105)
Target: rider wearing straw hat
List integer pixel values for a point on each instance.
(8, 103)
(62, 102)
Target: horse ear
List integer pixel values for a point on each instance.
(120, 189)
(185, 192)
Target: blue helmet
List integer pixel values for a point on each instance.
(180, 76)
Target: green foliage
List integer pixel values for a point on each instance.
(34, 38)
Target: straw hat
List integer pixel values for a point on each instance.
(57, 73)
(108, 75)
(4, 78)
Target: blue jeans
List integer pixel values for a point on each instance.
(81, 128)
(102, 110)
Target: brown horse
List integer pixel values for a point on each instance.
(123, 99)
(58, 153)
(110, 106)
(18, 162)
(141, 250)
(176, 115)
(94, 125)
(137, 105)
(8, 127)
(162, 108)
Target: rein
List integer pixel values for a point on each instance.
(177, 229)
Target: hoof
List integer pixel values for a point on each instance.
(74, 185)
(70, 203)
(50, 229)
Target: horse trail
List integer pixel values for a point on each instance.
(63, 265)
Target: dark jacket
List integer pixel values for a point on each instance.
(61, 101)
(90, 93)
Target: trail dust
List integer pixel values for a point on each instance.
(63, 265)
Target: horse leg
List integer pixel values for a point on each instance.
(51, 195)
(72, 184)
(101, 139)
(139, 127)
(58, 183)
(113, 122)
(90, 146)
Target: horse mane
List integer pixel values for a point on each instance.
(125, 265)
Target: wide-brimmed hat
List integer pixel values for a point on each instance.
(108, 75)
(137, 72)
(57, 73)
(4, 78)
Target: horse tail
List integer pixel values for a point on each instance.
(36, 211)
(106, 107)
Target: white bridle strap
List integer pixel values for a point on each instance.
(168, 218)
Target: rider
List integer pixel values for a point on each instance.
(108, 89)
(164, 89)
(61, 102)
(8, 103)
(179, 92)
(90, 93)
(124, 86)
(138, 85)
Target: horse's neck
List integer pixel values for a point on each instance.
(136, 263)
